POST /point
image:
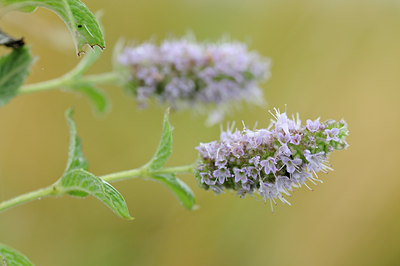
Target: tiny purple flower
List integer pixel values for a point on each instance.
(268, 190)
(315, 160)
(283, 184)
(237, 150)
(313, 126)
(205, 178)
(282, 122)
(296, 139)
(269, 165)
(284, 150)
(240, 175)
(222, 174)
(331, 134)
(255, 160)
(220, 163)
(291, 164)
(253, 172)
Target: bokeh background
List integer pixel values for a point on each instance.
(333, 59)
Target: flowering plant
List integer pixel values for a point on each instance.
(190, 75)
(185, 75)
(270, 161)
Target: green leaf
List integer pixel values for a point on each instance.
(164, 149)
(94, 94)
(76, 160)
(11, 257)
(181, 190)
(14, 68)
(81, 22)
(80, 181)
(76, 181)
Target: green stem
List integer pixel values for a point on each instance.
(37, 194)
(143, 171)
(52, 190)
(184, 169)
(123, 175)
(104, 78)
(69, 80)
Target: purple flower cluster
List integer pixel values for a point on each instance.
(187, 74)
(270, 161)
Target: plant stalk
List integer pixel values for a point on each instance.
(68, 81)
(113, 177)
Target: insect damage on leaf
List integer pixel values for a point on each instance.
(10, 42)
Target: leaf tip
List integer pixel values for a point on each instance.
(130, 218)
(195, 207)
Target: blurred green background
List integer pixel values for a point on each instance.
(331, 59)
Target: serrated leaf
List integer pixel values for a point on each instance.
(81, 181)
(80, 21)
(86, 62)
(180, 189)
(11, 257)
(97, 97)
(14, 68)
(76, 160)
(164, 149)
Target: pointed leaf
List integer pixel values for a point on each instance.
(94, 94)
(11, 257)
(164, 149)
(81, 22)
(80, 181)
(76, 160)
(178, 187)
(14, 68)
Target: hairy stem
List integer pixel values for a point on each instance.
(69, 80)
(118, 176)
(37, 194)
(142, 172)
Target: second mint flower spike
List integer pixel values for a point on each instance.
(190, 75)
(270, 162)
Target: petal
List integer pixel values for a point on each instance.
(297, 161)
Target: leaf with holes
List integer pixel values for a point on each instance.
(11, 257)
(83, 25)
(9, 41)
(14, 68)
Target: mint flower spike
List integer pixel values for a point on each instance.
(270, 162)
(185, 74)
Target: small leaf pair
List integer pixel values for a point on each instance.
(77, 181)
(161, 156)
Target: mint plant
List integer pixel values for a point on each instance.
(185, 75)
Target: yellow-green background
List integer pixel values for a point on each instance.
(331, 59)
